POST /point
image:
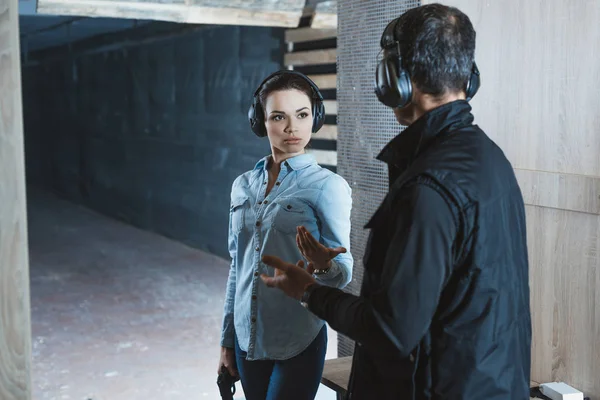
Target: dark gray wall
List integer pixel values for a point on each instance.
(151, 133)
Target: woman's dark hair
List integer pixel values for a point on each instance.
(437, 45)
(285, 82)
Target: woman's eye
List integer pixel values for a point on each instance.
(277, 117)
(303, 115)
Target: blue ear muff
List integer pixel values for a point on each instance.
(256, 114)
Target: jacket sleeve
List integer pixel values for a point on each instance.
(228, 329)
(416, 267)
(333, 210)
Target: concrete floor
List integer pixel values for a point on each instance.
(119, 313)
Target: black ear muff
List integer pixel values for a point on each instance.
(256, 114)
(392, 82)
(474, 82)
(256, 118)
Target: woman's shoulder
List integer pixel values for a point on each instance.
(325, 179)
(241, 184)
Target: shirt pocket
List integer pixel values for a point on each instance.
(291, 213)
(239, 205)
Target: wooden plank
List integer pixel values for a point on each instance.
(15, 325)
(324, 157)
(330, 107)
(336, 374)
(308, 34)
(563, 191)
(327, 132)
(326, 81)
(176, 12)
(325, 15)
(312, 57)
(308, 11)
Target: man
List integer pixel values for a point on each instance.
(444, 307)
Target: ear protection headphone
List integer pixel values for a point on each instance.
(256, 114)
(392, 82)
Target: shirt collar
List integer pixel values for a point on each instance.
(295, 163)
(407, 145)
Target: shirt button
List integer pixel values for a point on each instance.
(264, 183)
(278, 183)
(257, 248)
(257, 223)
(253, 320)
(265, 202)
(289, 207)
(256, 274)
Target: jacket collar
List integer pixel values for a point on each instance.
(411, 142)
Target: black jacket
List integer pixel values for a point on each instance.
(444, 306)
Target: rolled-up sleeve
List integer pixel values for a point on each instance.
(334, 207)
(228, 330)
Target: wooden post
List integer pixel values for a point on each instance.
(15, 326)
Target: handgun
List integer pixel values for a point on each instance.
(226, 384)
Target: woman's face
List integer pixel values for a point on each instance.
(288, 121)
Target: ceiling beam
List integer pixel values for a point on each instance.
(282, 13)
(325, 15)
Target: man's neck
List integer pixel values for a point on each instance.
(423, 103)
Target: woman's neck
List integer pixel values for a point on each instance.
(277, 157)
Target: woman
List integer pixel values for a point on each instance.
(290, 207)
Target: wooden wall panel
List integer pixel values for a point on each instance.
(564, 247)
(562, 191)
(539, 62)
(15, 330)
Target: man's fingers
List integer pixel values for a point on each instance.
(300, 264)
(276, 262)
(271, 282)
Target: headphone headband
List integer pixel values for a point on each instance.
(315, 89)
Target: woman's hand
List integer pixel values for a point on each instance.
(228, 361)
(315, 253)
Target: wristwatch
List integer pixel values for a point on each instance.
(323, 271)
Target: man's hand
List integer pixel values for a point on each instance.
(314, 252)
(291, 279)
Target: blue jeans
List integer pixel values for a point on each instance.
(297, 378)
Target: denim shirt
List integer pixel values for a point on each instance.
(269, 324)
